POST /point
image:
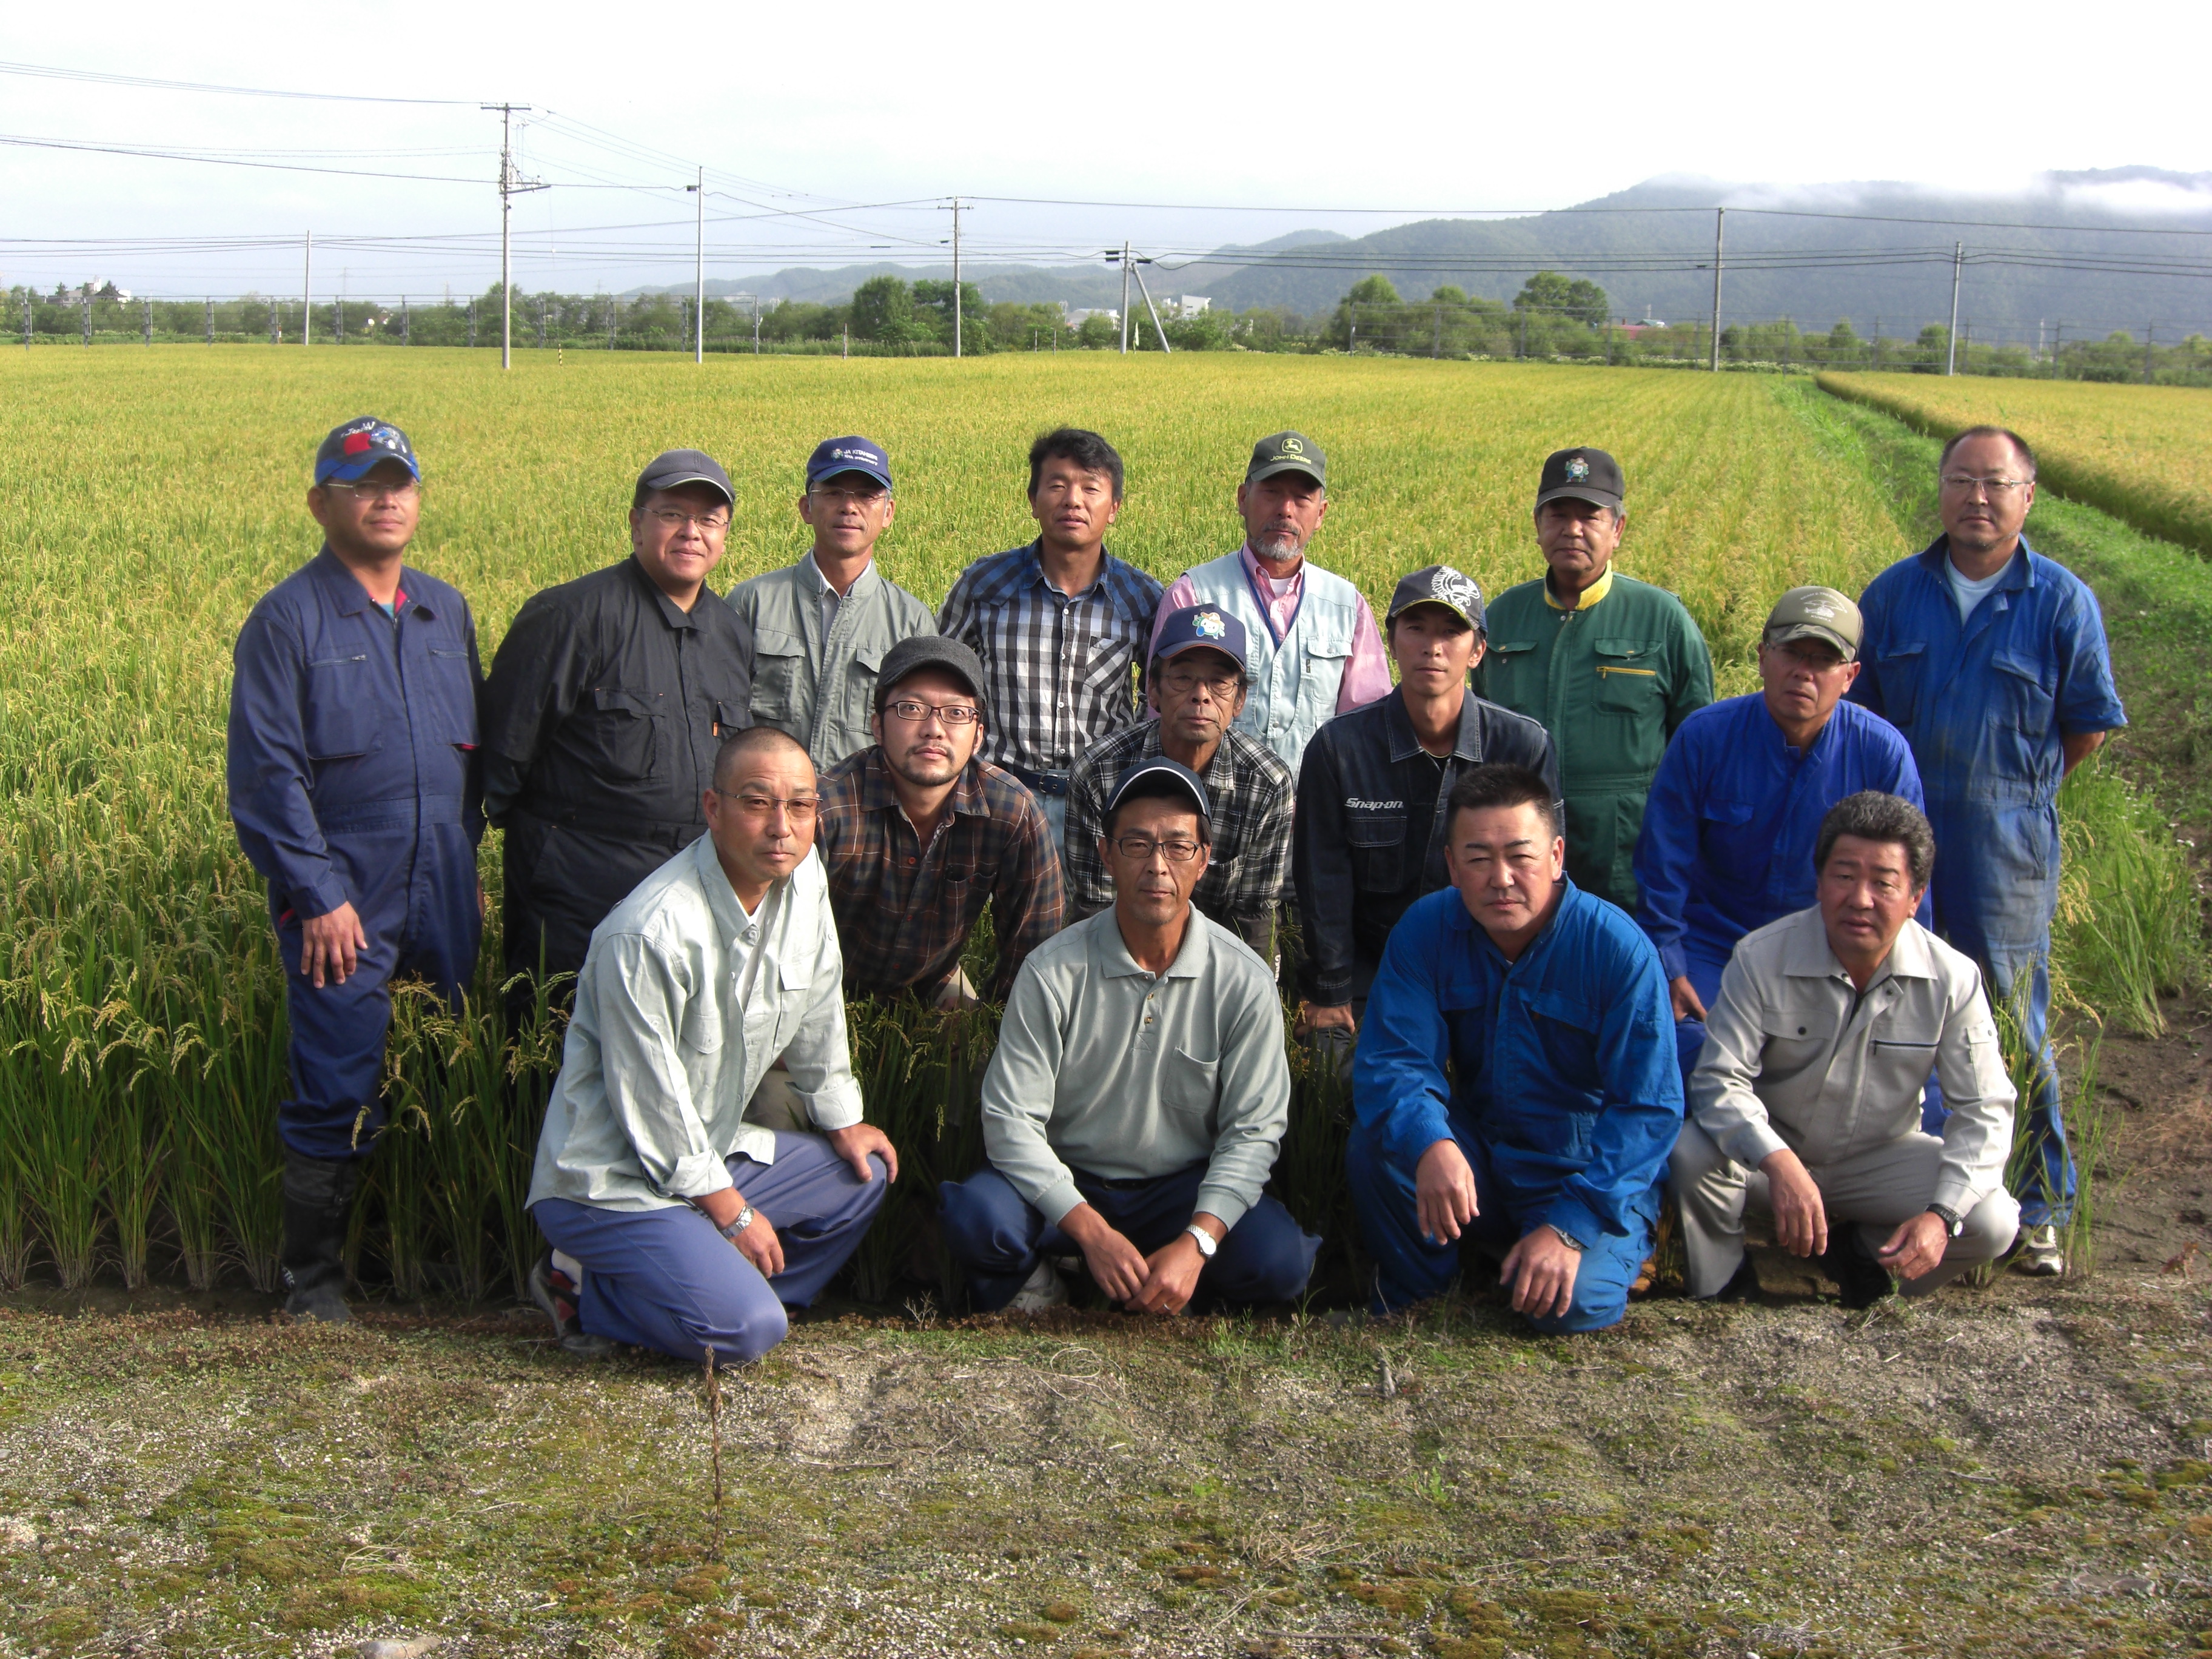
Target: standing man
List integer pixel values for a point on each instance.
(1371, 792)
(355, 787)
(1060, 625)
(606, 701)
(919, 834)
(821, 627)
(1991, 659)
(1197, 683)
(1315, 651)
(1610, 665)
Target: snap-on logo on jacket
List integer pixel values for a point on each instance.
(1359, 806)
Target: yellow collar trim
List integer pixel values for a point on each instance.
(1583, 600)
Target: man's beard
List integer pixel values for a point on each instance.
(1277, 548)
(910, 769)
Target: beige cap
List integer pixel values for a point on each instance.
(1815, 613)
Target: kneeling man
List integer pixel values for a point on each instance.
(1138, 1094)
(1806, 1099)
(675, 1224)
(1515, 1082)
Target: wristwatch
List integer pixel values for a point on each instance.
(743, 1220)
(1568, 1238)
(1953, 1222)
(1206, 1247)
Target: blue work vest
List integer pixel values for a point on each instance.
(1293, 680)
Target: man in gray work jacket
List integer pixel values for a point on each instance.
(821, 626)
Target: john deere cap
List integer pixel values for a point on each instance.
(1815, 613)
(919, 651)
(1439, 584)
(1287, 451)
(1160, 767)
(835, 455)
(674, 468)
(350, 449)
(1197, 626)
(1587, 474)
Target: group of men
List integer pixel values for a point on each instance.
(1546, 890)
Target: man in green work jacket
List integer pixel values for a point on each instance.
(1611, 666)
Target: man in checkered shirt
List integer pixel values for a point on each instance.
(1061, 625)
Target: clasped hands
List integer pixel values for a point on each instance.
(1162, 1282)
(1801, 1221)
(1540, 1269)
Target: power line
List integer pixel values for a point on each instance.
(50, 72)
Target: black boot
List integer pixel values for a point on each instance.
(319, 1195)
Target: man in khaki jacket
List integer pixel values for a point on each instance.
(821, 627)
(1806, 1100)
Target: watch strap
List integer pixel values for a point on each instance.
(1207, 1244)
(1953, 1222)
(743, 1220)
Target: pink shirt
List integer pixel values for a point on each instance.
(1366, 673)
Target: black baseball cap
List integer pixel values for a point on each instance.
(347, 451)
(1158, 768)
(919, 651)
(674, 468)
(1586, 475)
(1439, 584)
(1287, 451)
(835, 455)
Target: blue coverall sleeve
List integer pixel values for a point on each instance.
(1866, 689)
(268, 769)
(2087, 699)
(1667, 852)
(1399, 1091)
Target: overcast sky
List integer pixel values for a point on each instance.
(798, 109)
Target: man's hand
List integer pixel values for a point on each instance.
(855, 1142)
(1443, 1192)
(1541, 1270)
(758, 1243)
(1313, 1019)
(1801, 1220)
(1687, 1004)
(331, 943)
(1117, 1265)
(1174, 1268)
(1917, 1247)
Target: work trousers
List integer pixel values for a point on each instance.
(1409, 1269)
(2019, 981)
(666, 1280)
(1876, 1189)
(560, 881)
(998, 1238)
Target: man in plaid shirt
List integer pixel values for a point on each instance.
(1198, 682)
(1061, 625)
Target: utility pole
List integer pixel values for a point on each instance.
(148, 304)
(307, 293)
(406, 323)
(1720, 224)
(956, 277)
(509, 187)
(699, 273)
(1147, 293)
(88, 316)
(210, 319)
(1125, 299)
(2149, 329)
(1951, 341)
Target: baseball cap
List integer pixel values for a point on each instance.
(1815, 613)
(1287, 451)
(1587, 474)
(350, 449)
(1439, 584)
(1196, 625)
(919, 651)
(835, 455)
(674, 468)
(1159, 766)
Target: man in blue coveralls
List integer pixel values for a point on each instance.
(1991, 659)
(1516, 1083)
(1735, 808)
(355, 787)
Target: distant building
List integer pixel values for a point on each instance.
(1078, 315)
(1191, 305)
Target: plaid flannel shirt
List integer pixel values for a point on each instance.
(1063, 670)
(1251, 792)
(904, 911)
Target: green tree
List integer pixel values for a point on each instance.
(1549, 292)
(1099, 332)
(933, 311)
(1369, 314)
(882, 310)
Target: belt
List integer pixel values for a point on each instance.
(620, 826)
(1045, 783)
(399, 812)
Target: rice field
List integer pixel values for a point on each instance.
(154, 494)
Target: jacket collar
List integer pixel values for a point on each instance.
(671, 612)
(1583, 600)
(1404, 745)
(1810, 957)
(2019, 573)
(1116, 962)
(1572, 898)
(722, 898)
(342, 589)
(817, 584)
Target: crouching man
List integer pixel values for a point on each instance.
(1806, 1101)
(1138, 1094)
(675, 1224)
(1516, 1083)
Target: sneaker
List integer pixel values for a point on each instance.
(555, 1290)
(2040, 1256)
(1043, 1289)
(1860, 1280)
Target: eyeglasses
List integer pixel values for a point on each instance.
(1183, 682)
(380, 492)
(801, 809)
(1959, 484)
(702, 522)
(864, 497)
(1139, 849)
(952, 713)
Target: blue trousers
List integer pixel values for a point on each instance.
(2021, 982)
(666, 1280)
(998, 1238)
(1410, 1269)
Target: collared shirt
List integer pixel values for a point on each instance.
(1366, 671)
(1733, 817)
(904, 911)
(1561, 1063)
(1063, 669)
(1105, 1068)
(1369, 834)
(674, 1029)
(827, 598)
(1251, 792)
(345, 721)
(1797, 1056)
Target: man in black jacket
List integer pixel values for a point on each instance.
(602, 714)
(1370, 837)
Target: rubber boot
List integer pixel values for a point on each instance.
(318, 1194)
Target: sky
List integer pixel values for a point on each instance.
(834, 136)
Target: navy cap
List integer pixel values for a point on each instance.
(835, 455)
(1160, 767)
(919, 651)
(1196, 625)
(1439, 584)
(350, 449)
(674, 468)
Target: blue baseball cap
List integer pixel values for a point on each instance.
(1156, 771)
(1196, 625)
(835, 455)
(350, 449)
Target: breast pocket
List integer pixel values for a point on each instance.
(2022, 693)
(1628, 677)
(779, 674)
(624, 733)
(453, 693)
(1322, 678)
(860, 699)
(1506, 675)
(1725, 831)
(1897, 674)
(1792, 1038)
(341, 717)
(1377, 842)
(1188, 1083)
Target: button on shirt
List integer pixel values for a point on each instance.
(1796, 1056)
(683, 1004)
(1105, 1068)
